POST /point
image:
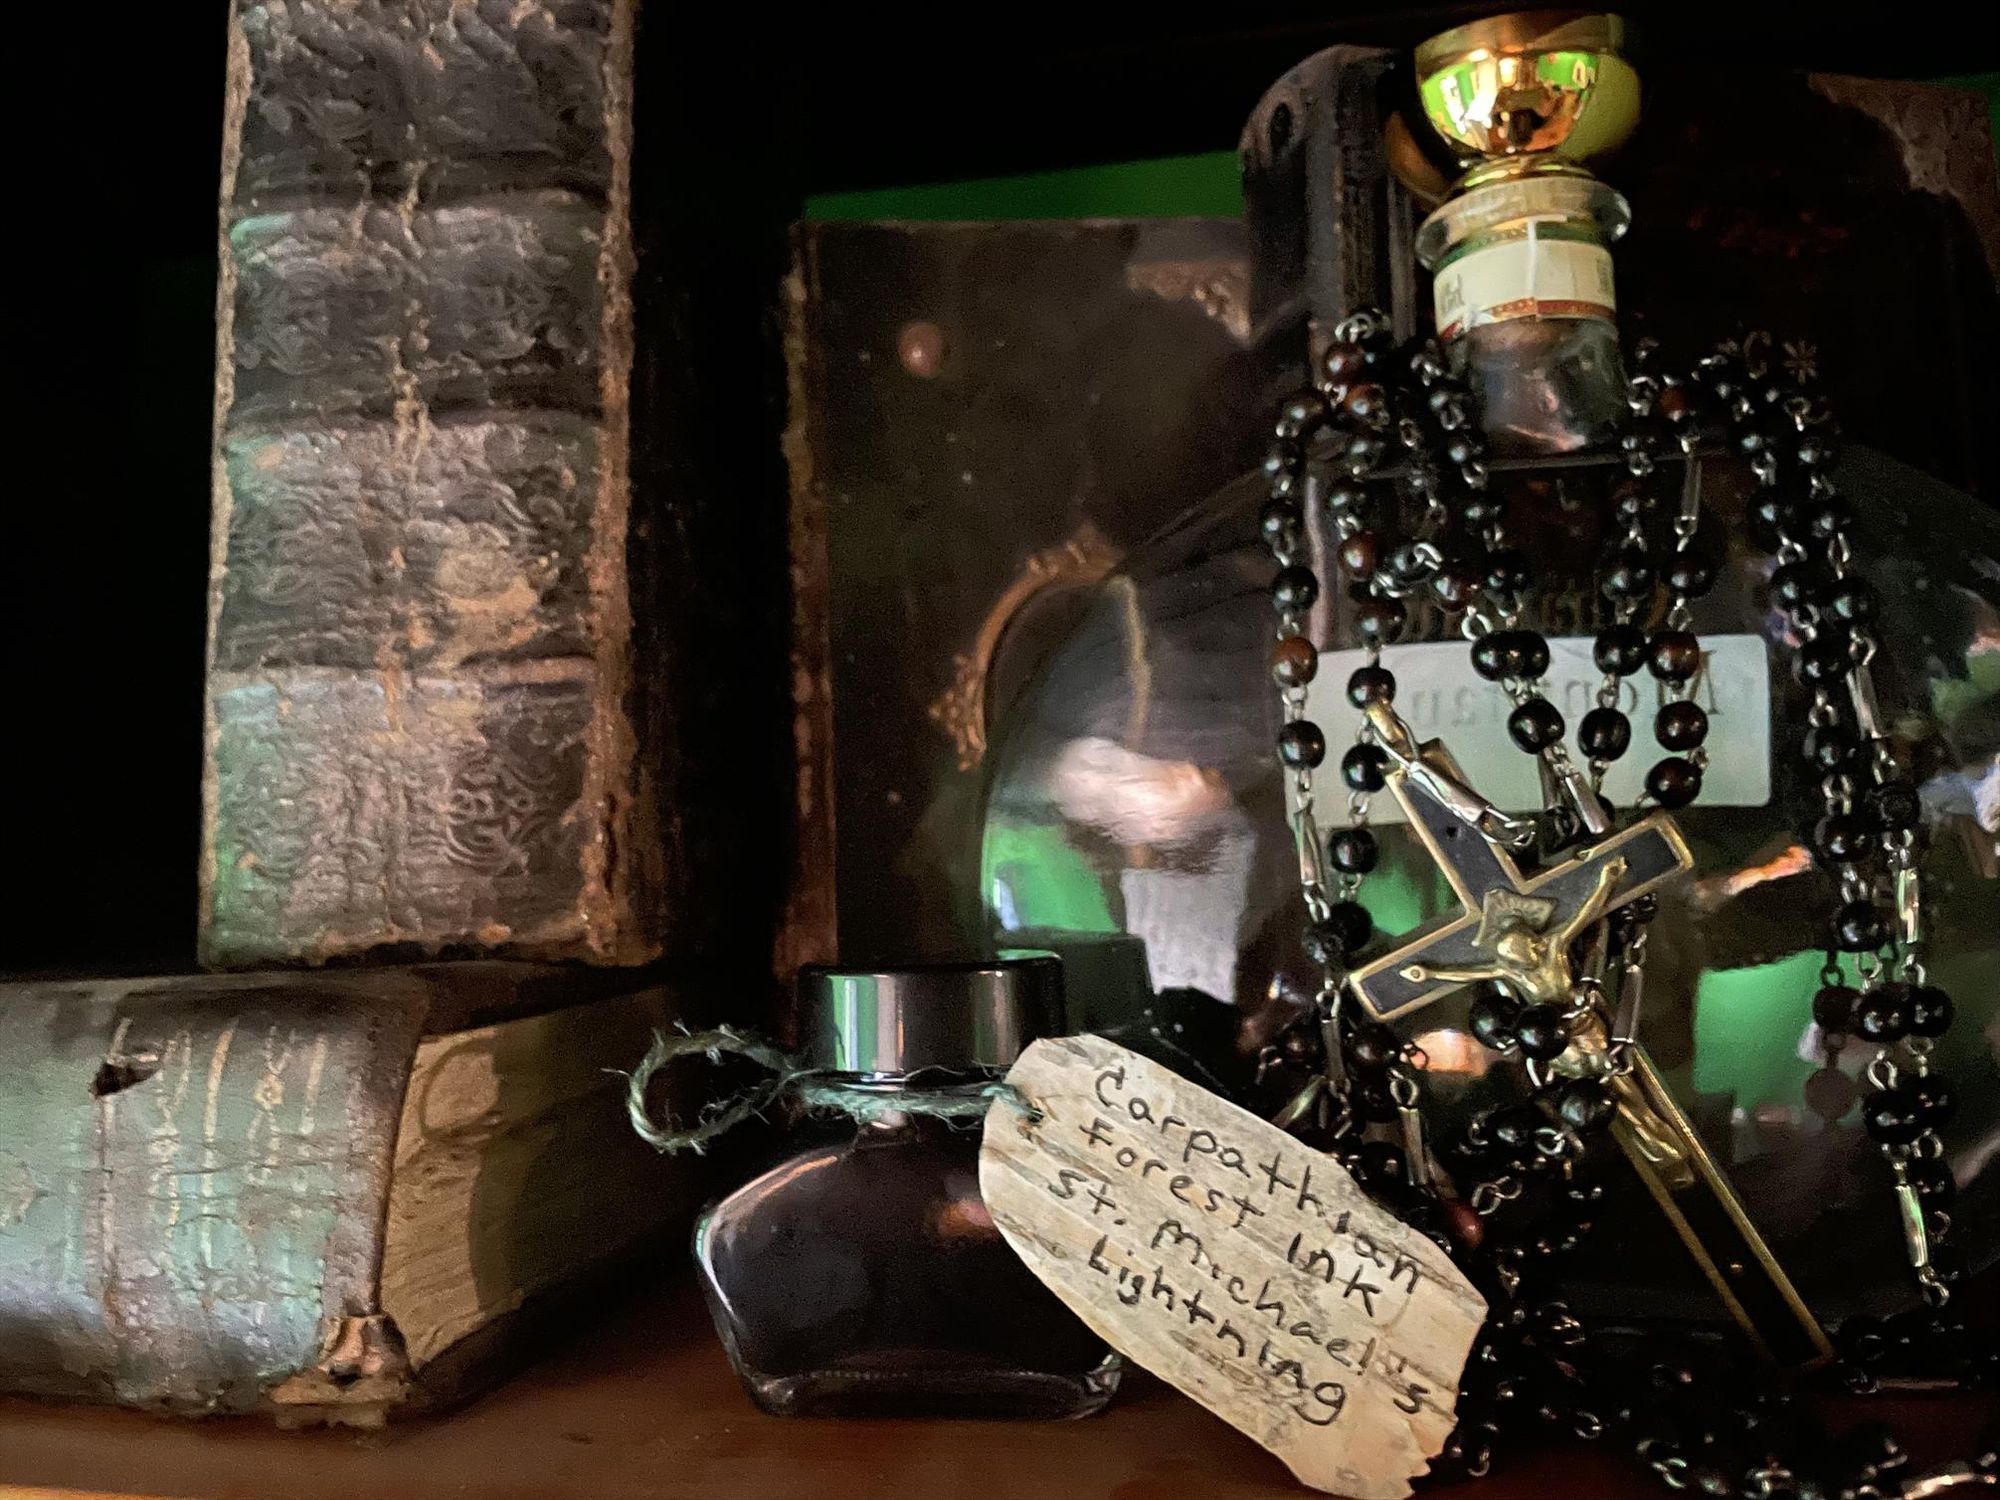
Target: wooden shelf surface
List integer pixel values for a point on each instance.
(646, 1408)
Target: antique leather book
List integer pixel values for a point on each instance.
(1091, 380)
(322, 1197)
(432, 726)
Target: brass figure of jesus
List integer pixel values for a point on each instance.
(1531, 962)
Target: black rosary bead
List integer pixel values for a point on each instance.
(1859, 927)
(1354, 851)
(1514, 1131)
(1674, 655)
(1852, 602)
(1372, 1045)
(1630, 575)
(1844, 839)
(1482, 508)
(1379, 620)
(1294, 588)
(1533, 649)
(1892, 1118)
(1833, 1008)
(1794, 583)
(1883, 1016)
(1285, 486)
(1535, 725)
(1339, 935)
(1371, 685)
(1691, 573)
(1772, 516)
(1343, 364)
(1361, 768)
(1279, 523)
(1294, 661)
(1936, 1187)
(1456, 584)
(1367, 403)
(1604, 734)
(1347, 498)
(1540, 1032)
(1620, 649)
(1297, 417)
(1364, 451)
(1301, 744)
(1680, 725)
(1301, 1044)
(1492, 1018)
(1830, 517)
(1674, 782)
(1930, 1011)
(1826, 658)
(1831, 746)
(1507, 571)
(1933, 1098)
(1358, 555)
(1464, 447)
(1896, 805)
(1586, 1106)
(1521, 654)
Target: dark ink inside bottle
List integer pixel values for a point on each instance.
(862, 1275)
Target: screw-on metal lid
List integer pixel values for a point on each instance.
(980, 1014)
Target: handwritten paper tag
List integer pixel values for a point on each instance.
(1234, 1263)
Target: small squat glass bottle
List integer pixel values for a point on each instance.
(862, 1275)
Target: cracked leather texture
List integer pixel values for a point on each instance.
(424, 734)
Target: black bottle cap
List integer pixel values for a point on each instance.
(958, 1016)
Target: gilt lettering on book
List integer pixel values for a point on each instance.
(430, 725)
(1233, 1262)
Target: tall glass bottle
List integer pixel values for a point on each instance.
(1138, 768)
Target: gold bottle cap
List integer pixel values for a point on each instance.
(1527, 93)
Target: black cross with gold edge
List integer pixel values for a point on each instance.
(1516, 929)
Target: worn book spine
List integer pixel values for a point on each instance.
(425, 730)
(318, 1197)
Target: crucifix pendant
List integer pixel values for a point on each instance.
(1516, 929)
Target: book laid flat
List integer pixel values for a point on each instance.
(325, 1198)
(426, 729)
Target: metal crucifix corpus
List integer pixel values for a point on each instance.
(1517, 929)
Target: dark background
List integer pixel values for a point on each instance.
(116, 130)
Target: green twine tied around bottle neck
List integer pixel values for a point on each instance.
(815, 1088)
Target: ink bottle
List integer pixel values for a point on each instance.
(862, 1275)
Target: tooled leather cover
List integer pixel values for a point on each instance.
(193, 1174)
(425, 730)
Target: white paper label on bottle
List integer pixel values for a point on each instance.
(1442, 698)
(1237, 1265)
(1535, 271)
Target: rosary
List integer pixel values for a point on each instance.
(1554, 911)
